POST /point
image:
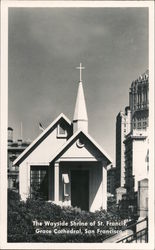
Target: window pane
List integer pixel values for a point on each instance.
(39, 182)
(61, 130)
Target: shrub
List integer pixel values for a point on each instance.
(22, 214)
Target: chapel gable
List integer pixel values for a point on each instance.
(48, 142)
(80, 146)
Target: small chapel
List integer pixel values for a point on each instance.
(64, 164)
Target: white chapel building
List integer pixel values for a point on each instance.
(64, 164)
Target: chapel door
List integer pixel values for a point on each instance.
(80, 189)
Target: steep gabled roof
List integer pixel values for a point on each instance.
(73, 138)
(29, 149)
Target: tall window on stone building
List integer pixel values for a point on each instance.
(39, 182)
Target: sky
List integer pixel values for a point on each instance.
(45, 47)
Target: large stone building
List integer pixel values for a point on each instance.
(65, 164)
(132, 145)
(15, 148)
(123, 127)
(137, 141)
(136, 160)
(139, 102)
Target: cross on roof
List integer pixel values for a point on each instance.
(80, 68)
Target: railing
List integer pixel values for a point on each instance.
(132, 233)
(138, 237)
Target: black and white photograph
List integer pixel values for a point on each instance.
(77, 144)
